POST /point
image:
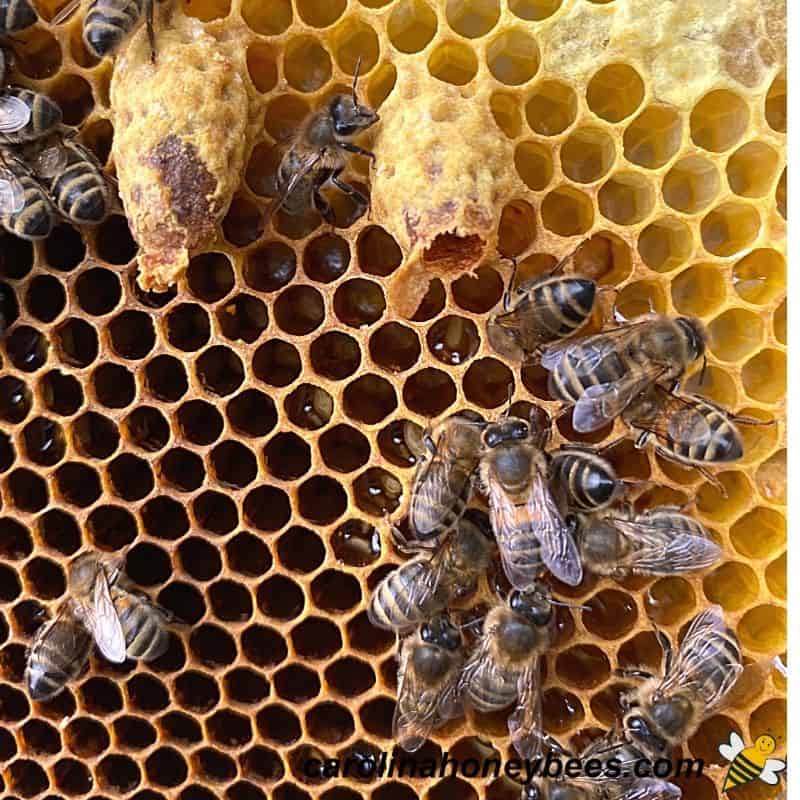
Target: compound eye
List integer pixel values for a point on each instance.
(519, 430)
(427, 634)
(492, 438)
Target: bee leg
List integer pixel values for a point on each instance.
(324, 208)
(358, 198)
(639, 674)
(354, 148)
(666, 647)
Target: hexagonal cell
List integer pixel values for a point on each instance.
(267, 21)
(764, 376)
(306, 64)
(732, 585)
(517, 228)
(699, 290)
(359, 302)
(654, 137)
(513, 57)
(730, 228)
(322, 500)
(429, 392)
(735, 334)
(615, 92)
(752, 169)
(719, 120)
(567, 212)
(775, 104)
(534, 163)
(691, 185)
(453, 62)
(626, 198)
(394, 347)
(610, 614)
(760, 277)
(411, 25)
(587, 155)
(551, 108)
(506, 112)
(669, 600)
(472, 18)
(763, 629)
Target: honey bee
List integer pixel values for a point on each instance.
(427, 680)
(122, 622)
(587, 481)
(600, 789)
(427, 584)
(504, 667)
(26, 116)
(527, 522)
(687, 429)
(660, 541)
(442, 484)
(25, 208)
(602, 374)
(15, 15)
(58, 653)
(76, 181)
(317, 155)
(548, 308)
(667, 710)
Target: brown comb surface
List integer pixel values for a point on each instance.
(238, 436)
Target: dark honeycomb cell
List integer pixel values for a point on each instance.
(166, 767)
(134, 733)
(335, 591)
(45, 578)
(152, 298)
(344, 448)
(394, 790)
(244, 222)
(14, 704)
(100, 696)
(300, 549)
(300, 760)
(7, 454)
(210, 276)
(359, 302)
(252, 413)
(326, 258)
(8, 746)
(12, 662)
(276, 363)
(147, 564)
(200, 422)
(46, 298)
(561, 710)
(44, 441)
(132, 334)
(356, 543)
(267, 508)
(369, 399)
(610, 614)
(199, 558)
(15, 539)
(377, 492)
(16, 260)
(131, 477)
(309, 406)
(98, 290)
(392, 443)
(243, 685)
(27, 349)
(15, 399)
(365, 637)
(364, 757)
(321, 500)
(270, 267)
(316, 638)
(29, 616)
(212, 645)
(479, 291)
(214, 765)
(280, 597)
(181, 728)
(166, 379)
(183, 469)
(114, 385)
(432, 303)
(376, 717)
(335, 355)
(188, 327)
(27, 491)
(243, 317)
(261, 764)
(147, 428)
(394, 347)
(378, 253)
(429, 392)
(220, 370)
(196, 792)
(233, 464)
(330, 723)
(118, 773)
(299, 310)
(113, 241)
(230, 601)
(147, 694)
(248, 555)
(296, 683)
(488, 383)
(59, 531)
(94, 435)
(111, 527)
(264, 646)
(350, 677)
(64, 248)
(164, 518)
(287, 456)
(453, 340)
(26, 777)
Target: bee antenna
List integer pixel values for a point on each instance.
(355, 79)
(570, 605)
(704, 370)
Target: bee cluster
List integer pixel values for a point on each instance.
(562, 512)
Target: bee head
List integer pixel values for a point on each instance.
(513, 429)
(534, 605)
(349, 116)
(83, 569)
(440, 631)
(695, 335)
(639, 730)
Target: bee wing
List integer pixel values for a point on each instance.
(733, 748)
(14, 114)
(681, 419)
(12, 194)
(103, 623)
(525, 723)
(559, 550)
(422, 592)
(660, 550)
(651, 789)
(305, 167)
(65, 12)
(50, 161)
(771, 769)
(552, 355)
(706, 638)
(440, 483)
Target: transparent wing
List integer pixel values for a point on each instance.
(771, 769)
(552, 355)
(732, 749)
(559, 551)
(525, 723)
(662, 550)
(709, 658)
(304, 168)
(680, 419)
(603, 402)
(14, 114)
(651, 789)
(50, 161)
(12, 193)
(103, 623)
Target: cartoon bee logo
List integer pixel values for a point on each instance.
(751, 763)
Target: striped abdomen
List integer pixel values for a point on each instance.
(673, 519)
(80, 190)
(585, 365)
(146, 638)
(108, 22)
(722, 654)
(58, 654)
(563, 305)
(701, 434)
(589, 481)
(406, 597)
(15, 15)
(45, 116)
(35, 219)
(491, 689)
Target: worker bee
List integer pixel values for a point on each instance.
(122, 622)
(58, 653)
(504, 667)
(548, 308)
(317, 155)
(687, 429)
(667, 710)
(448, 456)
(26, 116)
(527, 523)
(599, 789)
(427, 584)
(15, 15)
(427, 678)
(586, 480)
(25, 208)
(660, 541)
(75, 180)
(602, 374)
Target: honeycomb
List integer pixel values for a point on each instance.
(238, 436)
